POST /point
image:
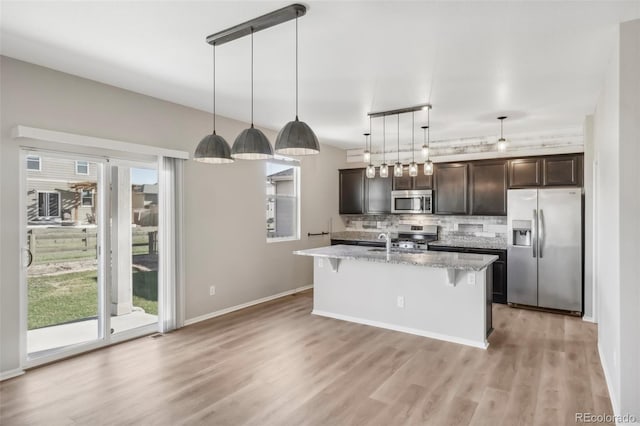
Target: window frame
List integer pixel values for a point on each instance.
(59, 216)
(295, 164)
(39, 169)
(78, 163)
(90, 197)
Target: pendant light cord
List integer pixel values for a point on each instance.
(251, 77)
(296, 65)
(370, 139)
(501, 122)
(214, 88)
(413, 137)
(398, 117)
(384, 139)
(428, 132)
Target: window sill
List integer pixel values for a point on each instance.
(282, 239)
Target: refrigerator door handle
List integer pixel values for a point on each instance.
(534, 233)
(541, 233)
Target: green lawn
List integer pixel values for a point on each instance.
(56, 299)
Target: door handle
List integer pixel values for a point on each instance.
(29, 258)
(541, 231)
(534, 233)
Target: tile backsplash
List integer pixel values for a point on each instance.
(449, 227)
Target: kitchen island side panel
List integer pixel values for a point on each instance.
(368, 292)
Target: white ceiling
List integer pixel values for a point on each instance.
(542, 63)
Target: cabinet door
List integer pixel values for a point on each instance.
(378, 194)
(499, 282)
(562, 170)
(489, 188)
(451, 183)
(422, 181)
(524, 173)
(403, 183)
(351, 191)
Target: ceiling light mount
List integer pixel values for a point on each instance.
(399, 111)
(260, 23)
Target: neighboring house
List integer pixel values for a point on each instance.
(60, 190)
(144, 204)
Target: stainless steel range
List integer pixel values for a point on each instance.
(415, 237)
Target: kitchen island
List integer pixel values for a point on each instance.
(440, 295)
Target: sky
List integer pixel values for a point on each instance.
(144, 176)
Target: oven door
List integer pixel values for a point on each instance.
(407, 204)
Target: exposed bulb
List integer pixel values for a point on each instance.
(502, 144)
(366, 157)
(384, 170)
(425, 151)
(428, 168)
(413, 169)
(371, 171)
(397, 170)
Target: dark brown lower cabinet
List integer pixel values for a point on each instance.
(499, 268)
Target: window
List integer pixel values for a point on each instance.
(48, 204)
(283, 200)
(82, 167)
(87, 198)
(34, 163)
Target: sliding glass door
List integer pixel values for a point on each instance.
(90, 253)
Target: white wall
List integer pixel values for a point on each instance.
(225, 236)
(617, 250)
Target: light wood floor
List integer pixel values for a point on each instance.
(275, 364)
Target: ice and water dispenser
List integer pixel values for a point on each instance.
(521, 232)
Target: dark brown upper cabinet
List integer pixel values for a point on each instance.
(406, 182)
(488, 180)
(351, 191)
(378, 193)
(524, 173)
(553, 170)
(452, 187)
(562, 170)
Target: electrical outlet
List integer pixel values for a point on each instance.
(400, 302)
(471, 278)
(212, 290)
(320, 263)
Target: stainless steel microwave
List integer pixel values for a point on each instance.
(414, 202)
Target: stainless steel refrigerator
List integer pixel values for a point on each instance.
(544, 259)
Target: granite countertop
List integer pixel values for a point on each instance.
(460, 261)
(472, 242)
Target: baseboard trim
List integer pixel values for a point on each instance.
(408, 330)
(245, 305)
(588, 319)
(607, 378)
(6, 375)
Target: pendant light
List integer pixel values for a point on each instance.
(397, 169)
(296, 137)
(251, 143)
(384, 168)
(428, 165)
(413, 167)
(425, 147)
(366, 157)
(213, 148)
(502, 142)
(371, 170)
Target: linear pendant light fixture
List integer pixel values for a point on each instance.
(413, 167)
(397, 168)
(502, 142)
(384, 168)
(251, 143)
(213, 148)
(296, 137)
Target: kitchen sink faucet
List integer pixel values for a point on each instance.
(387, 237)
